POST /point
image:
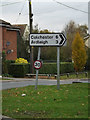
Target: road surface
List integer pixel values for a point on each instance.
(21, 82)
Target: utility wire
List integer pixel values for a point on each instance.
(70, 7)
(9, 4)
(20, 12)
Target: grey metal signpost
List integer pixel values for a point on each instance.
(43, 40)
(58, 68)
(36, 82)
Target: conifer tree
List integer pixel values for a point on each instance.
(79, 55)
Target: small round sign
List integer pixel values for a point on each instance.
(37, 64)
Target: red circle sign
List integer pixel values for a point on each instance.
(37, 64)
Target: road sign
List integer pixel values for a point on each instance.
(37, 64)
(52, 39)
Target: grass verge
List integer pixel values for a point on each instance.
(74, 76)
(62, 77)
(71, 101)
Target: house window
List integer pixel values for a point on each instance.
(9, 51)
(8, 43)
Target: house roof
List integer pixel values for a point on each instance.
(22, 27)
(18, 27)
(4, 22)
(8, 25)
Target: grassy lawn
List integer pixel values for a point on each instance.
(5, 79)
(71, 101)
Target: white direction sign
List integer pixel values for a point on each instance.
(52, 39)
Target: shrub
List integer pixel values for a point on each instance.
(51, 68)
(66, 67)
(21, 60)
(18, 70)
(48, 68)
(6, 75)
(79, 55)
(8, 62)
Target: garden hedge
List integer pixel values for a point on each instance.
(20, 70)
(51, 68)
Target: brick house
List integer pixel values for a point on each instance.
(10, 40)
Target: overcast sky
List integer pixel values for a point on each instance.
(48, 14)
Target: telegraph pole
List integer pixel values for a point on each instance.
(31, 48)
(89, 16)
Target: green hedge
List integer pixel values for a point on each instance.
(67, 67)
(18, 70)
(51, 68)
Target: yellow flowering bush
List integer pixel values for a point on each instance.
(21, 60)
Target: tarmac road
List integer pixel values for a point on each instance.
(21, 82)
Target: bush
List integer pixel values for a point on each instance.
(21, 60)
(6, 64)
(66, 67)
(51, 68)
(18, 70)
(9, 62)
(79, 54)
(48, 68)
(6, 75)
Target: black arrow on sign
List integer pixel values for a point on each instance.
(62, 39)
